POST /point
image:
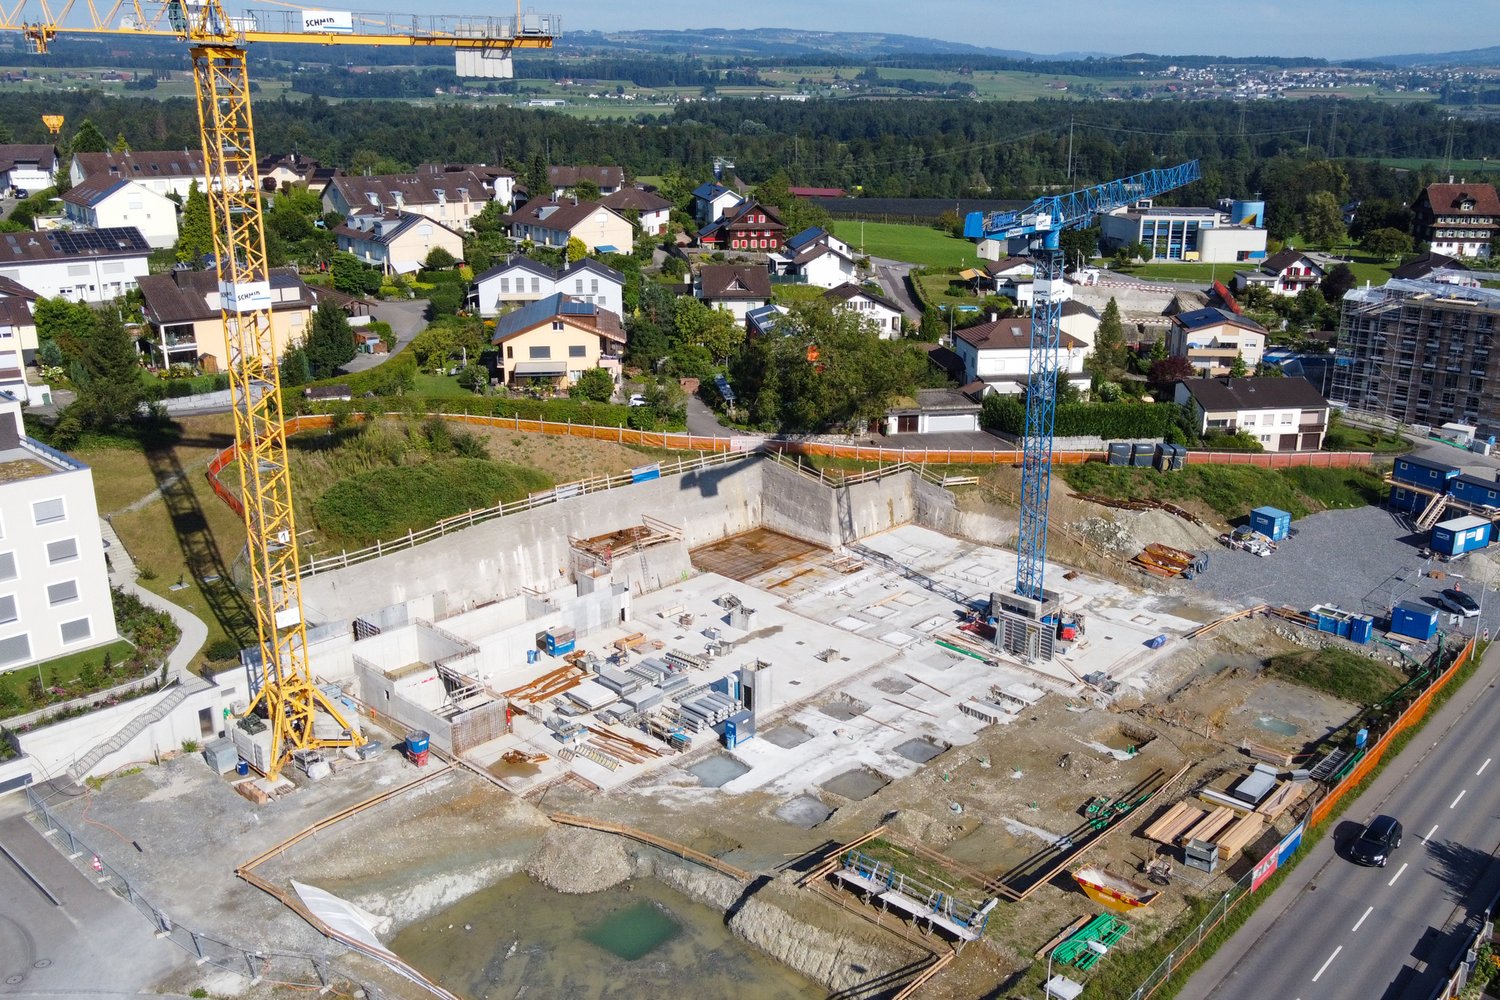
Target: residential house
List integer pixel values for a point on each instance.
(395, 242)
(499, 183)
(553, 341)
(1283, 414)
(1285, 273)
(1459, 219)
(553, 223)
(104, 201)
(748, 226)
(653, 212)
(18, 345)
(1080, 322)
(878, 310)
(712, 200)
(1188, 234)
(815, 257)
(165, 171)
(54, 580)
(186, 327)
(934, 411)
(521, 280)
(563, 180)
(1212, 338)
(1437, 267)
(1424, 352)
(452, 198)
(95, 265)
(997, 353)
(27, 168)
(278, 171)
(734, 288)
(1013, 277)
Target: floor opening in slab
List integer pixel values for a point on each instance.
(922, 749)
(856, 784)
(893, 685)
(718, 770)
(844, 709)
(747, 555)
(806, 811)
(787, 736)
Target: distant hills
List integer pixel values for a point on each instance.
(766, 42)
(1466, 57)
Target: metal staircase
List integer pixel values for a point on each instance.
(128, 732)
(1433, 511)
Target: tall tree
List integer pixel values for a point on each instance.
(88, 139)
(1323, 220)
(122, 145)
(330, 342)
(195, 235)
(1239, 369)
(1107, 360)
(107, 375)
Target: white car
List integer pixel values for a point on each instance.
(637, 400)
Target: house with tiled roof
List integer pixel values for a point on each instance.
(883, 314)
(27, 167)
(279, 170)
(711, 200)
(553, 341)
(521, 280)
(735, 288)
(105, 201)
(186, 327)
(450, 197)
(749, 226)
(1212, 338)
(1283, 414)
(552, 223)
(1287, 272)
(18, 345)
(1432, 266)
(164, 171)
(652, 210)
(1458, 219)
(396, 242)
(762, 320)
(563, 180)
(815, 257)
(997, 353)
(86, 265)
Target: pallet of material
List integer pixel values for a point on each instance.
(1279, 801)
(1240, 835)
(1209, 827)
(1163, 560)
(1270, 755)
(630, 641)
(986, 712)
(1173, 823)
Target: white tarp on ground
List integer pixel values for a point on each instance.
(343, 916)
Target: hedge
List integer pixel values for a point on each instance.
(1115, 421)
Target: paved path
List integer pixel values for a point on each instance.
(703, 422)
(407, 317)
(122, 574)
(1336, 930)
(892, 275)
(94, 945)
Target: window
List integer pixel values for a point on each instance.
(62, 551)
(536, 285)
(7, 565)
(49, 511)
(15, 649)
(541, 353)
(504, 285)
(62, 593)
(510, 350)
(578, 286)
(7, 609)
(594, 286)
(577, 351)
(75, 630)
(1286, 418)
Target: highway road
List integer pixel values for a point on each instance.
(1336, 930)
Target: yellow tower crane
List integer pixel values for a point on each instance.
(217, 42)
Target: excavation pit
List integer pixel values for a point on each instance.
(856, 784)
(717, 771)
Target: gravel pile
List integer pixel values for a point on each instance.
(577, 861)
(1105, 534)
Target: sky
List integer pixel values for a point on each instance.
(1326, 28)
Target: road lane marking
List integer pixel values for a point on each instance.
(1361, 920)
(1460, 797)
(1398, 874)
(1483, 766)
(1430, 833)
(1328, 963)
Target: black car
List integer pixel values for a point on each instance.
(1376, 843)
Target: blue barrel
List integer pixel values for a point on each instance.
(242, 768)
(532, 655)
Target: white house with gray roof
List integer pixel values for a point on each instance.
(521, 280)
(104, 201)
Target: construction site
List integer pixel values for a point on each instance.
(777, 722)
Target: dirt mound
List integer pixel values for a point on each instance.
(579, 861)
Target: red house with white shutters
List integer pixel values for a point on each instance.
(748, 226)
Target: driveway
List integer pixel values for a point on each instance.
(702, 421)
(892, 275)
(407, 317)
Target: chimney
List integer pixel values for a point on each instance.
(994, 316)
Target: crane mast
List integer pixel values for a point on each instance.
(1023, 612)
(283, 689)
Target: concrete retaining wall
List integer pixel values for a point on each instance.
(798, 506)
(498, 558)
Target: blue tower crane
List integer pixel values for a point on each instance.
(1041, 223)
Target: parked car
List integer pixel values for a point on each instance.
(1377, 842)
(637, 400)
(1459, 603)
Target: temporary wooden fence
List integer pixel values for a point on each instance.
(652, 840)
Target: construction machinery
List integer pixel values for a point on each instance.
(300, 716)
(1040, 225)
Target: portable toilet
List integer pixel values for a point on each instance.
(1415, 621)
(1361, 629)
(1460, 535)
(1274, 524)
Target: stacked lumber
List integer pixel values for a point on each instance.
(1176, 821)
(546, 686)
(1270, 755)
(1241, 834)
(1211, 826)
(1286, 795)
(630, 641)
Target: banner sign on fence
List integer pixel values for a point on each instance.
(642, 473)
(1289, 844)
(1264, 870)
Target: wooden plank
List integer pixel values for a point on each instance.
(1210, 826)
(1185, 816)
(1167, 821)
(1288, 795)
(1066, 933)
(1240, 835)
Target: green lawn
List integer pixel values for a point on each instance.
(938, 290)
(1343, 674)
(913, 244)
(63, 672)
(439, 385)
(1369, 269)
(786, 295)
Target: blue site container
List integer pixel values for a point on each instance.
(1460, 535)
(1361, 629)
(1434, 476)
(1274, 524)
(560, 642)
(1476, 491)
(1415, 621)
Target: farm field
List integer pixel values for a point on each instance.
(913, 244)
